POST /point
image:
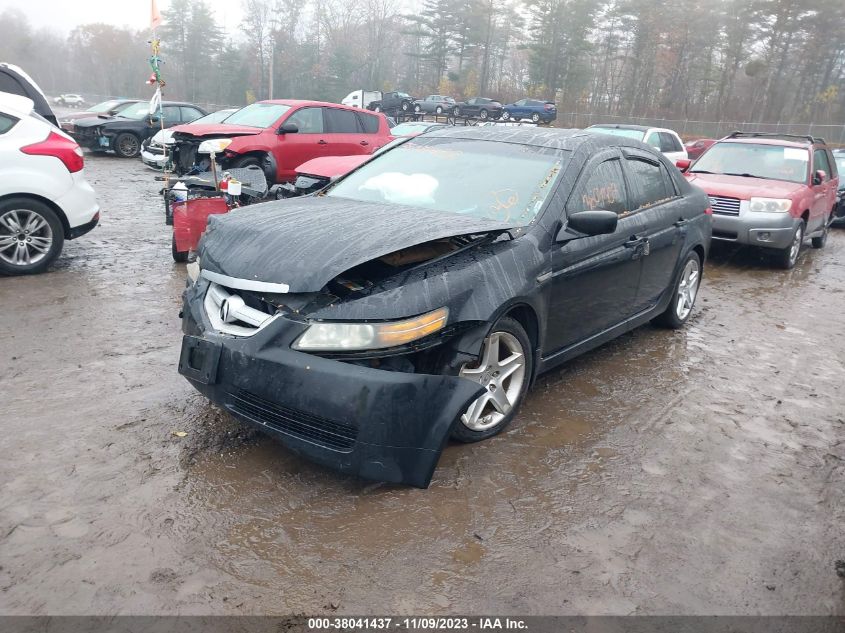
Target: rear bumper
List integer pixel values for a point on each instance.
(767, 230)
(79, 204)
(376, 424)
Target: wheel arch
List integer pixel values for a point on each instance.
(45, 201)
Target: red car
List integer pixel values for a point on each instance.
(696, 148)
(768, 190)
(280, 135)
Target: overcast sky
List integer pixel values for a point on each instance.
(63, 15)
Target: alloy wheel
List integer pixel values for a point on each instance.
(795, 247)
(129, 145)
(687, 289)
(501, 371)
(25, 237)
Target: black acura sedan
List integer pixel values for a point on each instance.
(419, 296)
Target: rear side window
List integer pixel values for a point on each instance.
(171, 114)
(7, 122)
(308, 120)
(668, 143)
(190, 114)
(648, 183)
(603, 188)
(654, 140)
(341, 121)
(820, 162)
(369, 123)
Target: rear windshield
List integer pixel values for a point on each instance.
(618, 131)
(486, 179)
(261, 115)
(752, 160)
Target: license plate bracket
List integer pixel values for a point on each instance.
(199, 359)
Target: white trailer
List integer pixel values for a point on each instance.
(361, 98)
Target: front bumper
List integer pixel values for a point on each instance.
(377, 424)
(152, 159)
(767, 230)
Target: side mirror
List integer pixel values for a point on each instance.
(683, 164)
(819, 177)
(588, 223)
(155, 118)
(289, 128)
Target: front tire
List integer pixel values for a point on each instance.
(787, 257)
(505, 115)
(405, 106)
(127, 145)
(535, 118)
(438, 110)
(31, 236)
(483, 114)
(684, 293)
(417, 109)
(504, 369)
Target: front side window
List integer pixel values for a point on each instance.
(653, 139)
(649, 184)
(171, 114)
(308, 120)
(755, 160)
(260, 115)
(603, 189)
(840, 167)
(820, 162)
(190, 114)
(507, 182)
(668, 143)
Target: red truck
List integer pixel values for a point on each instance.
(280, 135)
(768, 190)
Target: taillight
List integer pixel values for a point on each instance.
(708, 211)
(60, 147)
(548, 106)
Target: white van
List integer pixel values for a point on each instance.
(361, 98)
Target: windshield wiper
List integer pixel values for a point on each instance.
(700, 171)
(745, 175)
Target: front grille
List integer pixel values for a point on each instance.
(724, 206)
(319, 430)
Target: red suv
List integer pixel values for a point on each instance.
(768, 190)
(280, 135)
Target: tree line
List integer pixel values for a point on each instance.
(723, 60)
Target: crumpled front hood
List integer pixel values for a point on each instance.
(216, 130)
(306, 242)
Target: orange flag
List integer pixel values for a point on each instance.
(155, 16)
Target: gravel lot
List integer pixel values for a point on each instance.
(691, 472)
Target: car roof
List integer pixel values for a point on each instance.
(761, 140)
(624, 126)
(556, 138)
(294, 103)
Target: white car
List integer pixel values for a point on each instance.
(665, 141)
(44, 197)
(72, 100)
(153, 151)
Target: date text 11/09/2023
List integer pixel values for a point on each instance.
(417, 623)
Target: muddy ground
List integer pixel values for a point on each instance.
(690, 472)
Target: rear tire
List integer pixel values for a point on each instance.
(29, 230)
(180, 257)
(405, 106)
(438, 110)
(535, 118)
(505, 384)
(483, 115)
(505, 115)
(684, 293)
(786, 258)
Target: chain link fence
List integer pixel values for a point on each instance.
(833, 134)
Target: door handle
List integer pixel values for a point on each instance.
(322, 142)
(634, 241)
(365, 143)
(681, 222)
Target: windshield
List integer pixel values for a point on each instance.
(136, 111)
(261, 115)
(486, 179)
(618, 131)
(840, 168)
(214, 117)
(772, 162)
(105, 106)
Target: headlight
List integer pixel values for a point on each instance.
(194, 271)
(364, 336)
(770, 205)
(215, 145)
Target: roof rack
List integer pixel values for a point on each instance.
(786, 137)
